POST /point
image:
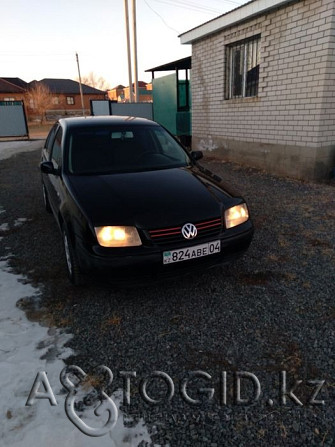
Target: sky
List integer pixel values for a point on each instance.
(40, 39)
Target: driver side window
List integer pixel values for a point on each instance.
(50, 140)
(56, 154)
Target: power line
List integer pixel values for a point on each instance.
(165, 23)
(191, 5)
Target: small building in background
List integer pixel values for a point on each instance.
(66, 98)
(116, 93)
(121, 93)
(13, 89)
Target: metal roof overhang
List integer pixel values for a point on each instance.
(181, 64)
(240, 14)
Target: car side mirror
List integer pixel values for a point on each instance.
(197, 155)
(48, 168)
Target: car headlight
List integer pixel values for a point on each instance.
(118, 236)
(236, 215)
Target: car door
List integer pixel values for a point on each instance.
(53, 183)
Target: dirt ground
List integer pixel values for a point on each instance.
(39, 131)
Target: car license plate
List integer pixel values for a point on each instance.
(186, 254)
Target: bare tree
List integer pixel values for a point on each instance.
(94, 81)
(40, 100)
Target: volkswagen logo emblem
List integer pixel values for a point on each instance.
(189, 231)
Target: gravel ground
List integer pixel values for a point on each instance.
(271, 311)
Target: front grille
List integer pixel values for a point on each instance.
(170, 235)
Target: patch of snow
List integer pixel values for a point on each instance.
(10, 148)
(25, 349)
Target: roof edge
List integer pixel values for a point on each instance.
(12, 84)
(242, 13)
(184, 63)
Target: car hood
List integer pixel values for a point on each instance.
(150, 199)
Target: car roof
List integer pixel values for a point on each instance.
(91, 121)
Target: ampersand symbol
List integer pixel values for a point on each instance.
(106, 403)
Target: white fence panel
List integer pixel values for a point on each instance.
(100, 107)
(139, 109)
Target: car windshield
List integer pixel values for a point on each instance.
(104, 150)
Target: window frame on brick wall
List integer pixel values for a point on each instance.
(243, 55)
(70, 100)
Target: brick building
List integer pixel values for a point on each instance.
(12, 89)
(66, 99)
(116, 93)
(122, 93)
(263, 86)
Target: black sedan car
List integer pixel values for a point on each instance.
(129, 199)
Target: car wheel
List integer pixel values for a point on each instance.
(46, 199)
(73, 269)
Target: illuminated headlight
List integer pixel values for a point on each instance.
(118, 236)
(236, 215)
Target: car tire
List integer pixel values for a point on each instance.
(73, 270)
(46, 199)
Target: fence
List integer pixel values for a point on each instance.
(13, 122)
(105, 107)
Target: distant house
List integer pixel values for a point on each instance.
(263, 86)
(116, 93)
(12, 89)
(121, 93)
(66, 96)
(66, 99)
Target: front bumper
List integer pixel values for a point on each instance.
(147, 261)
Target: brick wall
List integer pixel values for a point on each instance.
(294, 110)
(15, 96)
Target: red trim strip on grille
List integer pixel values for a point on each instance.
(176, 230)
(164, 234)
(162, 230)
(210, 223)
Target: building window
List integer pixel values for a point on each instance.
(9, 99)
(55, 101)
(70, 100)
(242, 68)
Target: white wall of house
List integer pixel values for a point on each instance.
(289, 127)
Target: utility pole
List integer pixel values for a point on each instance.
(128, 51)
(135, 51)
(80, 87)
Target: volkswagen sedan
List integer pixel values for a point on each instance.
(130, 200)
